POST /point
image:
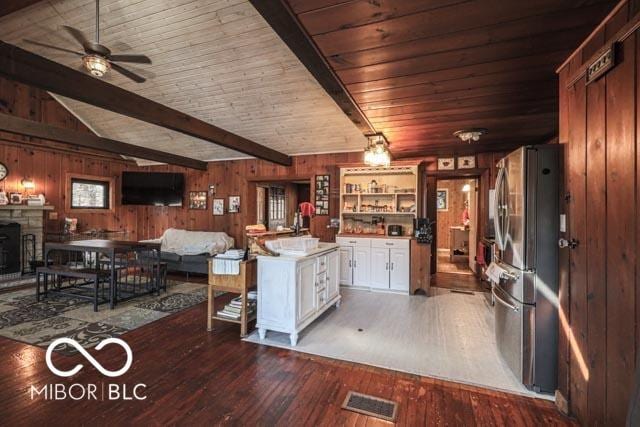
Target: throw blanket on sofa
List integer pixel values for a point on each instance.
(183, 242)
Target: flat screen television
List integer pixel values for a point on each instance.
(152, 188)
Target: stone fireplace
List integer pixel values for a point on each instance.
(31, 221)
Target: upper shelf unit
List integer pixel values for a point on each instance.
(370, 193)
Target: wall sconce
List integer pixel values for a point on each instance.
(466, 188)
(28, 184)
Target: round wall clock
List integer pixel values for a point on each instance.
(3, 171)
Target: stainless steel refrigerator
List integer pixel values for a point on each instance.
(526, 221)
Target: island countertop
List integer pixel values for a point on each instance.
(285, 256)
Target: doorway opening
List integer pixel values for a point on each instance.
(276, 203)
(457, 222)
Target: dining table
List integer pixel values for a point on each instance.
(111, 249)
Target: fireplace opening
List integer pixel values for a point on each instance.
(9, 248)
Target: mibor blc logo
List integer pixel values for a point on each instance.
(91, 391)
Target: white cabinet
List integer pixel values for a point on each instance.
(375, 263)
(333, 275)
(305, 290)
(294, 291)
(399, 269)
(361, 266)
(346, 265)
(379, 268)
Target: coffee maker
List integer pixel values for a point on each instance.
(422, 230)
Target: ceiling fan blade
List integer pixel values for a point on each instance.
(138, 59)
(130, 74)
(48, 46)
(78, 35)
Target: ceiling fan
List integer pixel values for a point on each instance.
(97, 58)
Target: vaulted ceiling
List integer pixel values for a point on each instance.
(416, 70)
(216, 60)
(420, 70)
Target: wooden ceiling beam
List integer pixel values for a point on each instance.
(285, 24)
(460, 149)
(26, 67)
(44, 131)
(10, 6)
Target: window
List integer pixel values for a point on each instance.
(277, 208)
(89, 194)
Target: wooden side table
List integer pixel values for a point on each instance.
(239, 284)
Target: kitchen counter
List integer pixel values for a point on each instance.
(292, 255)
(373, 236)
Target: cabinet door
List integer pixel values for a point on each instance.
(346, 266)
(305, 291)
(379, 268)
(361, 263)
(399, 269)
(333, 274)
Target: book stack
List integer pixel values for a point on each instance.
(233, 310)
(232, 254)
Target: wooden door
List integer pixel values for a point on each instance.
(432, 214)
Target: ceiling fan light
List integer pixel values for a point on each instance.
(96, 65)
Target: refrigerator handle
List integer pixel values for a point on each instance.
(497, 223)
(503, 302)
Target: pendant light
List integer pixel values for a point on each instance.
(377, 151)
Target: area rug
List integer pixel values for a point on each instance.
(24, 319)
(18, 282)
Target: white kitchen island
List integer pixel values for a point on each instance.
(293, 290)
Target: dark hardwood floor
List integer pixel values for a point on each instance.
(462, 282)
(194, 377)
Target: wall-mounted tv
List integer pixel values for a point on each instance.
(152, 188)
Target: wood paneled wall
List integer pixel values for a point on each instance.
(600, 284)
(239, 177)
(48, 169)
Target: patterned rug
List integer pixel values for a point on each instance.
(24, 319)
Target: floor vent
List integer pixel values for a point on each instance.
(457, 291)
(372, 406)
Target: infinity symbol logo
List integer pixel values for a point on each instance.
(90, 358)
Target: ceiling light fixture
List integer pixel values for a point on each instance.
(470, 135)
(377, 151)
(96, 64)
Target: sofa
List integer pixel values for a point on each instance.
(189, 251)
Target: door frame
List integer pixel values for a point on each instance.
(430, 179)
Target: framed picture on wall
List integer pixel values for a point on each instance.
(218, 207)
(234, 204)
(15, 198)
(446, 164)
(322, 195)
(198, 200)
(466, 162)
(442, 199)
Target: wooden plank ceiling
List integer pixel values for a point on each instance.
(216, 60)
(420, 70)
